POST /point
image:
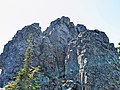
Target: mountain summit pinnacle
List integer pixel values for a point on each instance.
(71, 57)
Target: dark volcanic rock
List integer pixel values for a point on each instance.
(71, 57)
(13, 54)
(93, 62)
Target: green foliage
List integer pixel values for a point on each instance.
(119, 53)
(119, 49)
(28, 74)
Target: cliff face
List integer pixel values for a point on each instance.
(71, 57)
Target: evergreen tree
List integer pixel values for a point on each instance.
(119, 49)
(28, 74)
(119, 53)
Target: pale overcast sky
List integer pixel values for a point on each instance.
(94, 14)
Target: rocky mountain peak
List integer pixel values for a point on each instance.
(81, 28)
(71, 57)
(62, 20)
(27, 30)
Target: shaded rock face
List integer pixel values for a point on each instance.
(93, 62)
(71, 57)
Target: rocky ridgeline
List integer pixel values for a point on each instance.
(71, 57)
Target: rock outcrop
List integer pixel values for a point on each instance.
(71, 57)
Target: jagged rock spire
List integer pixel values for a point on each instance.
(70, 57)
